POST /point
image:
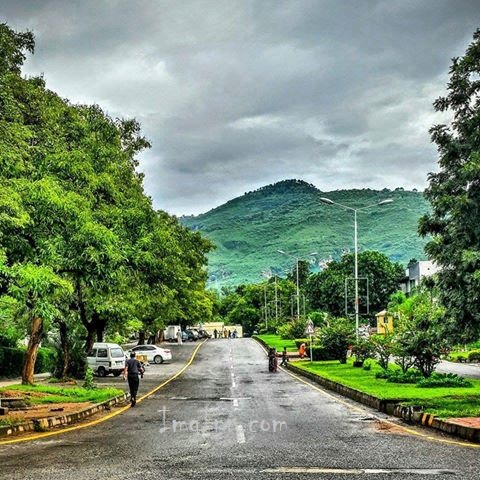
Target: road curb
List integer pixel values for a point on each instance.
(410, 414)
(45, 423)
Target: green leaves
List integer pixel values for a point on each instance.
(455, 195)
(326, 289)
(80, 240)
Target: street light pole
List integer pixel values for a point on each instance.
(357, 313)
(298, 294)
(265, 298)
(276, 301)
(355, 210)
(298, 277)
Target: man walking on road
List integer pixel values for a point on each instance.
(132, 370)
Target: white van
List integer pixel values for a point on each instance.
(105, 358)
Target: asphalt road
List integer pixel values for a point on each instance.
(239, 421)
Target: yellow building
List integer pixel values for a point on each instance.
(384, 322)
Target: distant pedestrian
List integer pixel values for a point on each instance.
(235, 333)
(302, 350)
(133, 368)
(215, 333)
(229, 334)
(225, 333)
(272, 360)
(179, 337)
(284, 357)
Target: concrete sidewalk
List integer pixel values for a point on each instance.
(5, 382)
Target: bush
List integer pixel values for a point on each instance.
(337, 338)
(319, 353)
(458, 357)
(397, 376)
(294, 329)
(474, 356)
(362, 349)
(89, 383)
(12, 359)
(444, 380)
(46, 360)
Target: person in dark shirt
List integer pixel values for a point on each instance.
(284, 357)
(133, 368)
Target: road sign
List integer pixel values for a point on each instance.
(310, 330)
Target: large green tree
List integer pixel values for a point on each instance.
(454, 193)
(81, 247)
(326, 289)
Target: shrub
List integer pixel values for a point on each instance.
(474, 356)
(458, 357)
(397, 376)
(89, 383)
(294, 329)
(444, 380)
(46, 360)
(11, 361)
(362, 349)
(336, 339)
(319, 353)
(383, 347)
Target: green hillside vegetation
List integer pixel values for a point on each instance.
(289, 215)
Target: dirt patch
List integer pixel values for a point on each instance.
(42, 411)
(388, 427)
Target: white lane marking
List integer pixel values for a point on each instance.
(235, 402)
(360, 471)
(178, 398)
(240, 434)
(234, 385)
(235, 398)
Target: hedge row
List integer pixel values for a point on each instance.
(470, 357)
(11, 361)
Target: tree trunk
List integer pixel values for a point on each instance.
(100, 329)
(31, 355)
(141, 337)
(65, 349)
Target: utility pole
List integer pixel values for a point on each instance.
(276, 301)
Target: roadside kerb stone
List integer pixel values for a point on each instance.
(410, 414)
(45, 423)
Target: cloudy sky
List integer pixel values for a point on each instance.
(238, 94)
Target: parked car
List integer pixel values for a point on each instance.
(189, 335)
(153, 353)
(105, 358)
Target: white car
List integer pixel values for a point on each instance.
(153, 353)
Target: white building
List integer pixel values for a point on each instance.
(415, 272)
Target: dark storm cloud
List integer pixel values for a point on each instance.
(238, 94)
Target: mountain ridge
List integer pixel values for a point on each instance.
(288, 215)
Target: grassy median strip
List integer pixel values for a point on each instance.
(440, 401)
(41, 394)
(444, 402)
(275, 341)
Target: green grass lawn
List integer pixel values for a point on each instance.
(276, 342)
(443, 402)
(40, 394)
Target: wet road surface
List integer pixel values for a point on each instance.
(227, 416)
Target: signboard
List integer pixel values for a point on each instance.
(310, 330)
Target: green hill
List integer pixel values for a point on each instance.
(289, 216)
